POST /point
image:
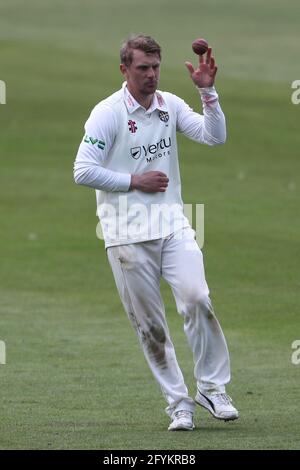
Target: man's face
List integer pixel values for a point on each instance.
(142, 74)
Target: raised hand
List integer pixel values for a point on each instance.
(204, 75)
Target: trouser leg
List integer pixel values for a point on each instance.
(137, 272)
(183, 269)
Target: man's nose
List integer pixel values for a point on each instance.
(151, 72)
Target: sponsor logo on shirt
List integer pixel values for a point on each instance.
(136, 152)
(132, 126)
(91, 140)
(153, 151)
(163, 116)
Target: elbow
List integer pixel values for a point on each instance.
(222, 140)
(221, 136)
(217, 141)
(78, 177)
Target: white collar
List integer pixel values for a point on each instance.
(132, 105)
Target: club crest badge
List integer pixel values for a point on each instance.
(163, 116)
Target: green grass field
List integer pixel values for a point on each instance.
(75, 377)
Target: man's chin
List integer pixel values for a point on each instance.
(151, 87)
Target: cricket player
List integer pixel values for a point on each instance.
(129, 156)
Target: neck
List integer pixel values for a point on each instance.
(143, 100)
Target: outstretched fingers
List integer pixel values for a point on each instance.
(208, 55)
(190, 67)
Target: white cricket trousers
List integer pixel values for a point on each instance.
(137, 270)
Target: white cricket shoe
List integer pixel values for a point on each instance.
(182, 420)
(218, 404)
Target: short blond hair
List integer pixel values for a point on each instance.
(141, 42)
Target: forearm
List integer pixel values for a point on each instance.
(97, 177)
(214, 131)
(207, 128)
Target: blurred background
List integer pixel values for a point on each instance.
(74, 375)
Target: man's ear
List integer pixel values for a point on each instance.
(123, 69)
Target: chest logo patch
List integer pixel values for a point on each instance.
(163, 116)
(132, 126)
(136, 152)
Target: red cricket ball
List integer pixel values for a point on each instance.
(200, 46)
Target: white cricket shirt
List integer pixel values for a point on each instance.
(123, 138)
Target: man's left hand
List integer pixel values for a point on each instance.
(204, 75)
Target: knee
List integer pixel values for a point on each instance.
(196, 300)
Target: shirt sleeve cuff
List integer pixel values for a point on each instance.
(124, 182)
(210, 90)
(209, 96)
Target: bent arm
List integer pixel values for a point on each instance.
(208, 128)
(101, 128)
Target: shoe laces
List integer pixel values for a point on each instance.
(222, 399)
(182, 414)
